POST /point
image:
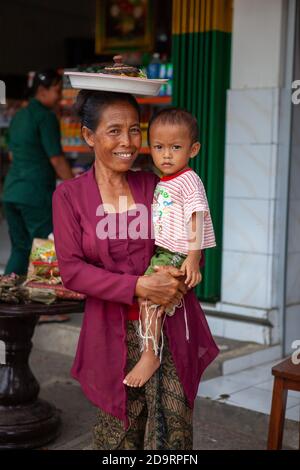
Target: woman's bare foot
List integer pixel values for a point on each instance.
(143, 370)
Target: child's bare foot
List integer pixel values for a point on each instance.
(143, 370)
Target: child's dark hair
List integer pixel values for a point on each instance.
(45, 78)
(90, 105)
(176, 116)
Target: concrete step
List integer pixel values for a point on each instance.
(59, 337)
(216, 425)
(57, 387)
(234, 355)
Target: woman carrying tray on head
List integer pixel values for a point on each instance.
(97, 217)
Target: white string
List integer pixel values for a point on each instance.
(162, 338)
(171, 313)
(148, 335)
(187, 332)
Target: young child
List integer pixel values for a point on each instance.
(182, 224)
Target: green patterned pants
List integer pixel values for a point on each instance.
(164, 257)
(159, 415)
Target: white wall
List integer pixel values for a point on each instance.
(292, 313)
(256, 43)
(250, 252)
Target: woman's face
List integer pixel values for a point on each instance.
(117, 139)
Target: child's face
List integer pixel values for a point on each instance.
(171, 147)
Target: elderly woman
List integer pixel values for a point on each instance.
(102, 230)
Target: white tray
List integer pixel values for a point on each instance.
(120, 84)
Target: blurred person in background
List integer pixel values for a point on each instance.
(36, 161)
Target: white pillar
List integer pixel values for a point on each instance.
(249, 269)
(291, 330)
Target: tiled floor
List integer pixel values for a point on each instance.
(250, 389)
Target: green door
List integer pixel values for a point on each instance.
(201, 42)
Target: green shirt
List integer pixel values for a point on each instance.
(34, 137)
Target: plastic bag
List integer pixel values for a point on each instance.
(42, 262)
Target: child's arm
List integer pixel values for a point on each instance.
(190, 266)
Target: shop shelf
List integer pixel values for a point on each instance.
(155, 100)
(147, 100)
(76, 149)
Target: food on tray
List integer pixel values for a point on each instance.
(43, 280)
(117, 68)
(14, 290)
(11, 290)
(8, 280)
(116, 77)
(43, 283)
(44, 296)
(60, 291)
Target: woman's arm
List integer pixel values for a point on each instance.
(61, 167)
(77, 274)
(49, 132)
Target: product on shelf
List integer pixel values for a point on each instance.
(144, 127)
(160, 68)
(70, 129)
(79, 168)
(69, 124)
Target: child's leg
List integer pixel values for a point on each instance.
(150, 327)
(150, 332)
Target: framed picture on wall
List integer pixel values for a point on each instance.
(123, 25)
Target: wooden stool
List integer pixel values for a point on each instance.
(286, 377)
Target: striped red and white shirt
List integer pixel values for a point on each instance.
(176, 198)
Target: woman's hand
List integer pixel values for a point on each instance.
(182, 286)
(177, 273)
(163, 287)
